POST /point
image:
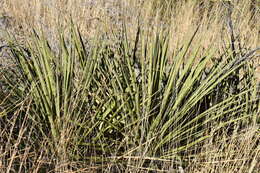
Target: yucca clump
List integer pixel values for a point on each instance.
(124, 106)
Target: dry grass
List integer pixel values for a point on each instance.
(106, 17)
(93, 15)
(229, 154)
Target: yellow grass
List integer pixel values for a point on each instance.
(104, 16)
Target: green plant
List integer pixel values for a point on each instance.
(128, 106)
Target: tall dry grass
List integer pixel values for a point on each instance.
(179, 17)
(238, 152)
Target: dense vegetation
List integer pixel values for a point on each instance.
(125, 101)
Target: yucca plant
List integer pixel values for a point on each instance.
(129, 106)
(173, 107)
(57, 85)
